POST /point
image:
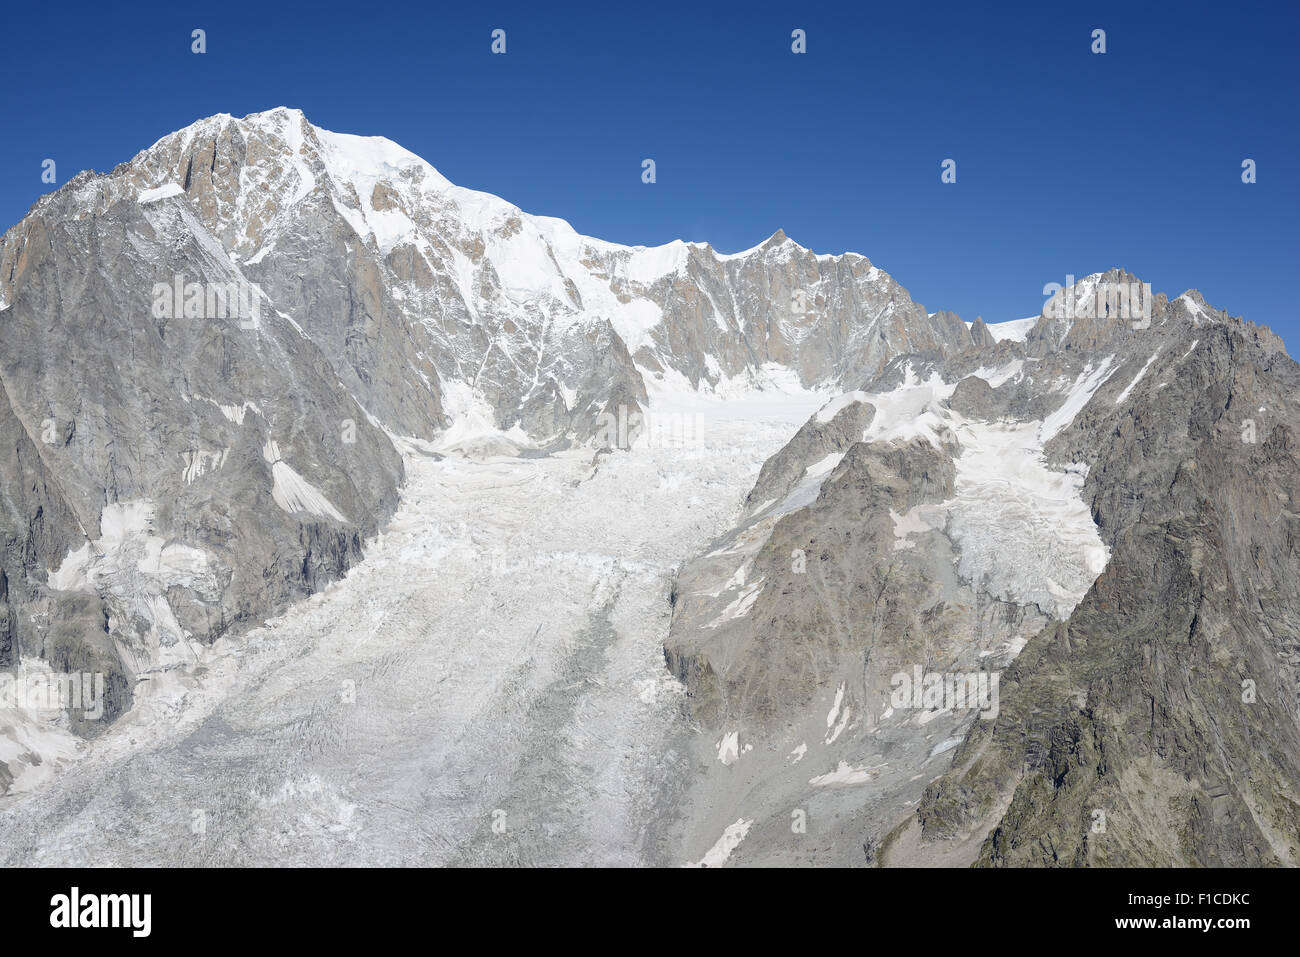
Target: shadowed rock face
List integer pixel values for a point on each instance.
(1121, 735)
(37, 524)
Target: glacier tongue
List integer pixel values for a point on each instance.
(497, 656)
(1023, 529)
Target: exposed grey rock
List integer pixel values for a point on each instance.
(980, 335)
(815, 440)
(1138, 707)
(190, 473)
(975, 398)
(37, 525)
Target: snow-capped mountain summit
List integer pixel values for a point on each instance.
(428, 297)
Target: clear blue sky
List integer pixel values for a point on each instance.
(1067, 161)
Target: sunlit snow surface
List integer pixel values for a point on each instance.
(1022, 529)
(497, 658)
(731, 837)
(1017, 330)
(166, 191)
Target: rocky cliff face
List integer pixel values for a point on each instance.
(181, 466)
(1114, 493)
(1157, 725)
